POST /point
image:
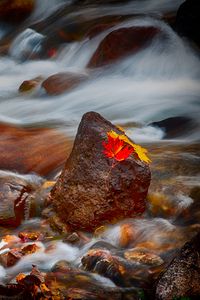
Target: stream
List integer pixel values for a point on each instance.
(159, 82)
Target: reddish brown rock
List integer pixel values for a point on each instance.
(99, 28)
(15, 10)
(143, 256)
(11, 258)
(122, 272)
(29, 236)
(27, 150)
(62, 82)
(88, 193)
(120, 43)
(29, 249)
(30, 85)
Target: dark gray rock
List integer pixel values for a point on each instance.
(175, 126)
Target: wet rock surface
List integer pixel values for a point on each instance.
(62, 82)
(89, 193)
(72, 283)
(120, 43)
(30, 85)
(182, 277)
(123, 272)
(27, 150)
(175, 126)
(17, 201)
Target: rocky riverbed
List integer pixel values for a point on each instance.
(99, 143)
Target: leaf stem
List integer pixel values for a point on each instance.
(114, 164)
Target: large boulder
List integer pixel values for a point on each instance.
(122, 42)
(90, 192)
(182, 277)
(15, 10)
(62, 82)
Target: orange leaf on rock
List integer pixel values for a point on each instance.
(116, 148)
(137, 149)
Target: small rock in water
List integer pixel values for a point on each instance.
(143, 256)
(182, 278)
(122, 272)
(30, 85)
(62, 266)
(72, 238)
(17, 202)
(10, 258)
(29, 236)
(120, 43)
(89, 192)
(29, 249)
(62, 82)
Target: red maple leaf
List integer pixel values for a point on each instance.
(116, 148)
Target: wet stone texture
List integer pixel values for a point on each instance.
(182, 277)
(120, 43)
(62, 82)
(17, 201)
(89, 192)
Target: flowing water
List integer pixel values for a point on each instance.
(159, 82)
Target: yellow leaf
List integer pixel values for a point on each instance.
(120, 128)
(140, 151)
(48, 184)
